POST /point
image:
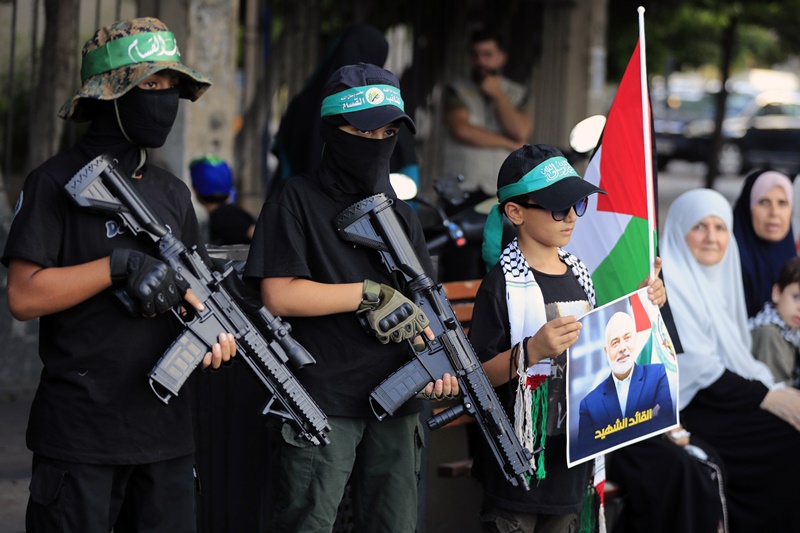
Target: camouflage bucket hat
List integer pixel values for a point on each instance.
(120, 56)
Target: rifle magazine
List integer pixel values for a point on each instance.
(177, 363)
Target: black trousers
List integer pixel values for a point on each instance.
(88, 498)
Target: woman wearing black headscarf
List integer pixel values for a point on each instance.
(762, 219)
(298, 143)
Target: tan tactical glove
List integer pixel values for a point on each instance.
(392, 316)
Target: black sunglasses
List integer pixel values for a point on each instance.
(558, 216)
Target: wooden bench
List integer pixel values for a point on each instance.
(461, 295)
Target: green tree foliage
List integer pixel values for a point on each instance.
(687, 34)
(690, 34)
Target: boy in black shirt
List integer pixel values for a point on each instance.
(310, 274)
(524, 319)
(107, 452)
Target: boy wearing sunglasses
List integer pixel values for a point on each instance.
(524, 319)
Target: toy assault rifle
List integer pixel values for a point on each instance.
(373, 224)
(266, 350)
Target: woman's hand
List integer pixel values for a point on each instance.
(785, 404)
(678, 436)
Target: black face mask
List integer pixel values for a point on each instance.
(360, 165)
(147, 116)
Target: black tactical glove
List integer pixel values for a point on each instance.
(392, 316)
(151, 286)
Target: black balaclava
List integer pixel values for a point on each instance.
(104, 136)
(147, 116)
(357, 166)
(149, 129)
(298, 142)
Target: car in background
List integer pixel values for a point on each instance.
(670, 118)
(764, 132)
(676, 122)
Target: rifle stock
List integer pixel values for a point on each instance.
(263, 341)
(373, 224)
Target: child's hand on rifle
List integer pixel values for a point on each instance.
(152, 287)
(222, 352)
(443, 389)
(391, 315)
(147, 286)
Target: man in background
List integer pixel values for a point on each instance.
(486, 116)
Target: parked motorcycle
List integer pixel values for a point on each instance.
(453, 227)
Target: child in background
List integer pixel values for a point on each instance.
(776, 328)
(212, 181)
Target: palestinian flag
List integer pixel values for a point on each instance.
(616, 238)
(613, 237)
(652, 336)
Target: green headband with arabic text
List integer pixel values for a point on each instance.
(146, 47)
(361, 98)
(543, 175)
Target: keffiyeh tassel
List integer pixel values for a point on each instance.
(526, 315)
(530, 409)
(593, 515)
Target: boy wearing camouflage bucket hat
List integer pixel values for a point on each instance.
(523, 321)
(309, 273)
(107, 453)
(119, 57)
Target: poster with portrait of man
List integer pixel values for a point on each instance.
(622, 378)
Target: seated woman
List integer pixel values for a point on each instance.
(726, 397)
(762, 224)
(682, 491)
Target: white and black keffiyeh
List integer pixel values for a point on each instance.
(522, 289)
(526, 315)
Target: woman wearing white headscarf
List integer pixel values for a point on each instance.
(725, 395)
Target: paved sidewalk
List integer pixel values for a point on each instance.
(15, 460)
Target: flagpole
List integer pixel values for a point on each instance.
(648, 146)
